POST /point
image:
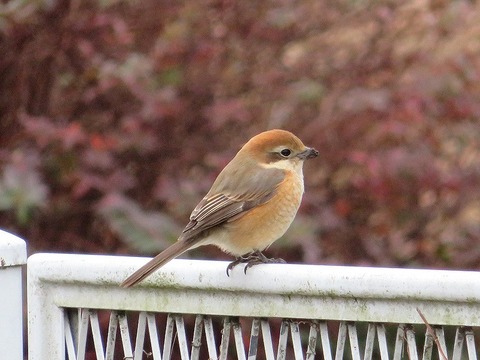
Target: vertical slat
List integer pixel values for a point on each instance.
(442, 350)
(125, 335)
(399, 340)
(428, 346)
(382, 342)
(458, 346)
(369, 342)
(411, 343)
(267, 340)
(470, 341)
(312, 341)
(69, 342)
(296, 340)
(197, 337)
(97, 336)
(325, 339)
(254, 333)
(111, 336)
(182, 337)
(237, 334)
(210, 336)
(225, 338)
(342, 338)
(140, 338)
(154, 338)
(169, 333)
(282, 341)
(82, 334)
(353, 336)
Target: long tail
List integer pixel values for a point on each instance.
(161, 259)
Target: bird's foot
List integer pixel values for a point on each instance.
(259, 258)
(251, 259)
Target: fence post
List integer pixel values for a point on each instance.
(13, 254)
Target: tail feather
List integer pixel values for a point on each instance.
(158, 261)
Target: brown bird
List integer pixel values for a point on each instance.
(251, 204)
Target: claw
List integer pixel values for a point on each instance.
(251, 259)
(232, 265)
(238, 260)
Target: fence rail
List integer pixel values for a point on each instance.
(284, 311)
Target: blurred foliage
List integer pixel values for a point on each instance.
(147, 232)
(21, 190)
(116, 117)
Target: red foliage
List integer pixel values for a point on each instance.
(114, 115)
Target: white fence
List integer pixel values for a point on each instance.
(13, 255)
(192, 310)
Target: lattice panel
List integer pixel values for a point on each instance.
(111, 336)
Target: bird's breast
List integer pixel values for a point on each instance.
(264, 224)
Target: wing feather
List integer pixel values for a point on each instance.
(229, 200)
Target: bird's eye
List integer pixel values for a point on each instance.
(285, 152)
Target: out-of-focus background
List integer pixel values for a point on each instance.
(116, 117)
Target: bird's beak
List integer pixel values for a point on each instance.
(308, 153)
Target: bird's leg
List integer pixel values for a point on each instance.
(251, 259)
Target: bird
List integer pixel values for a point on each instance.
(250, 205)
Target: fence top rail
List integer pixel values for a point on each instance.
(306, 292)
(314, 280)
(301, 291)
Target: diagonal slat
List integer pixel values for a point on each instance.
(254, 333)
(82, 334)
(97, 335)
(342, 339)
(154, 338)
(182, 337)
(442, 350)
(169, 334)
(325, 339)
(69, 341)
(458, 345)
(111, 336)
(312, 341)
(282, 340)
(210, 336)
(140, 338)
(237, 334)
(428, 346)
(470, 341)
(296, 340)
(197, 337)
(267, 340)
(225, 338)
(411, 343)
(353, 337)
(399, 340)
(369, 342)
(125, 335)
(382, 342)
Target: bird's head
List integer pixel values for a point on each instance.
(278, 149)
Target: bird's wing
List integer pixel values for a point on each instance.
(231, 200)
